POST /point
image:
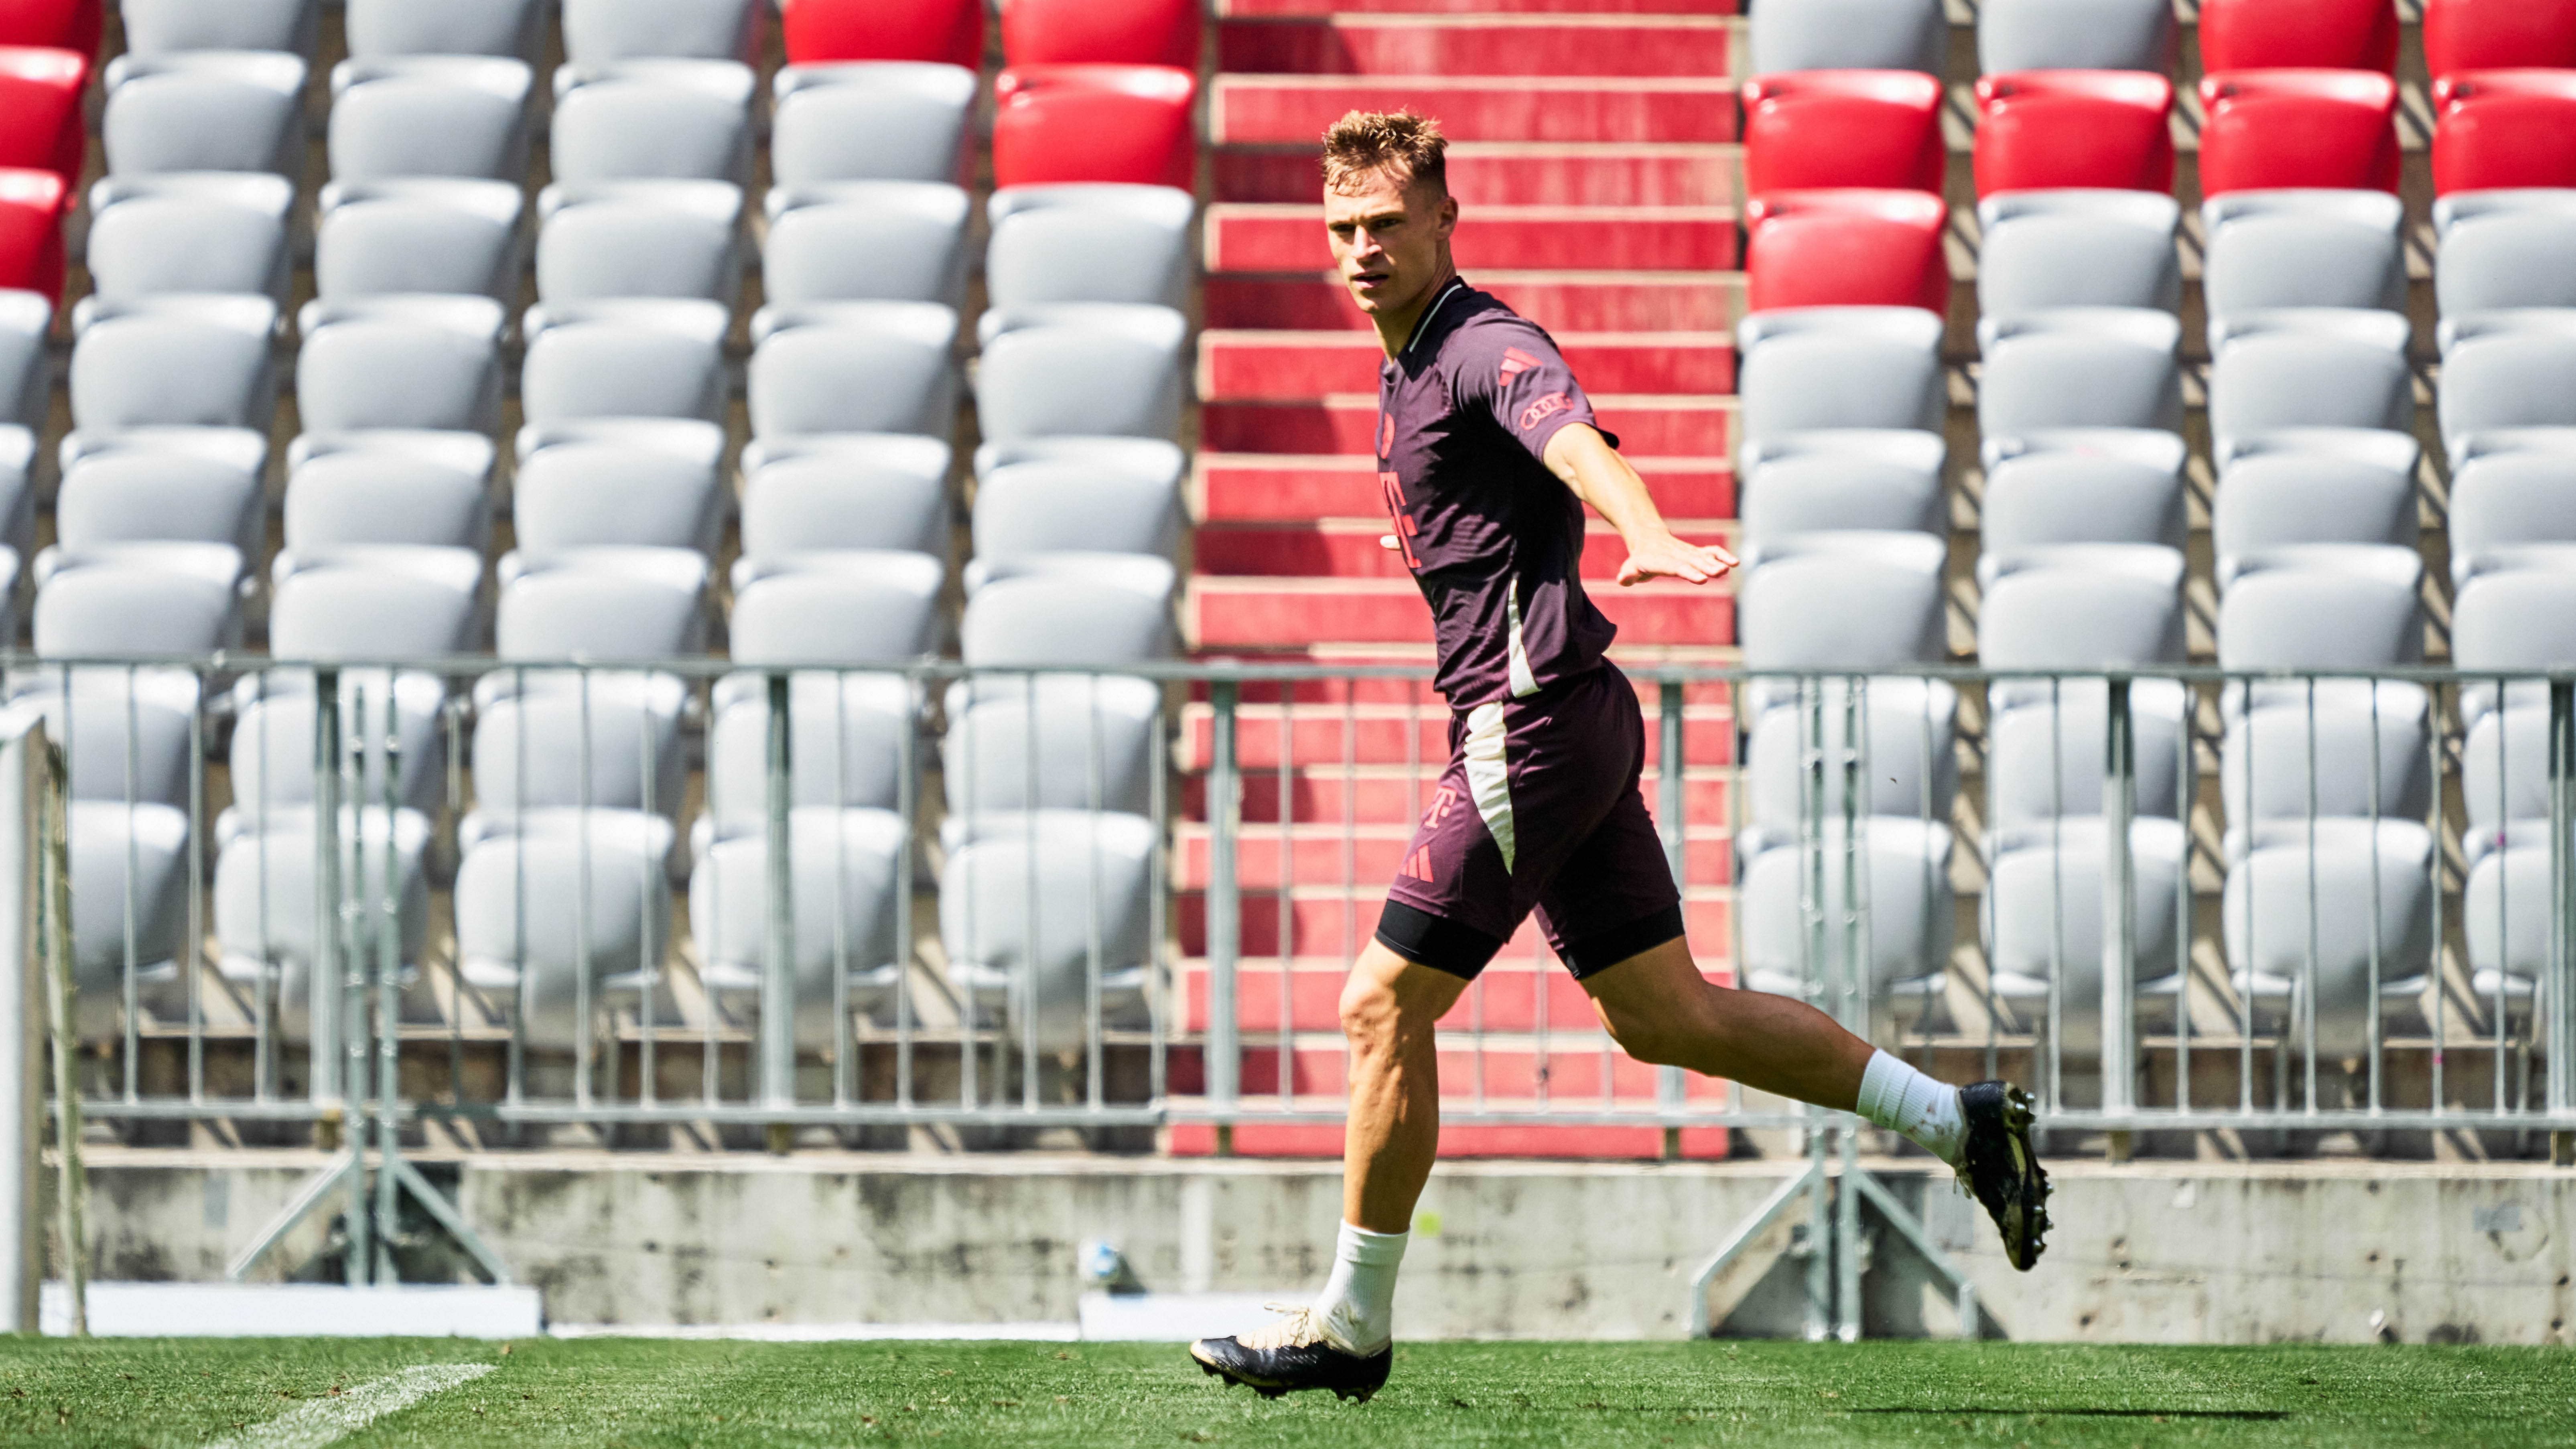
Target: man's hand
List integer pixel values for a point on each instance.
(1667, 557)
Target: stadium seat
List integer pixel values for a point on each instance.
(424, 234)
(844, 868)
(2080, 608)
(2503, 622)
(866, 241)
(640, 239)
(847, 734)
(2084, 247)
(2082, 485)
(204, 111)
(876, 121)
(1071, 611)
(161, 598)
(1904, 866)
(26, 371)
(1909, 762)
(390, 487)
(2503, 371)
(822, 31)
(1850, 35)
(125, 735)
(17, 497)
(1033, 508)
(2501, 249)
(513, 29)
(853, 367)
(2309, 367)
(1844, 602)
(1093, 748)
(673, 119)
(41, 126)
(2080, 367)
(1089, 243)
(611, 603)
(2047, 130)
(2302, 249)
(2308, 927)
(33, 205)
(2500, 129)
(203, 232)
(887, 492)
(1845, 247)
(1101, 32)
(654, 486)
(1841, 478)
(427, 363)
(1060, 123)
(266, 904)
(544, 758)
(2314, 485)
(71, 25)
(158, 27)
(1082, 369)
(1035, 972)
(429, 115)
(2298, 128)
(2462, 35)
(164, 491)
(174, 361)
(658, 358)
(2502, 500)
(2016, 35)
(1153, 456)
(596, 32)
(2323, 606)
(1812, 129)
(2316, 34)
(2043, 923)
(131, 917)
(375, 601)
(1839, 367)
(2505, 915)
(2368, 749)
(837, 606)
(602, 921)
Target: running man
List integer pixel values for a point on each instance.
(1487, 453)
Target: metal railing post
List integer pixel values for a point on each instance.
(1671, 809)
(1224, 903)
(778, 961)
(2557, 988)
(2119, 906)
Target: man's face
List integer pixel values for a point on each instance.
(1388, 237)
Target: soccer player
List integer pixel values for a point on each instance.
(1487, 453)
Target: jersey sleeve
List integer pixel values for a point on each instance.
(1514, 373)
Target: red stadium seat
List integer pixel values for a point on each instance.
(1101, 32)
(1057, 123)
(2493, 34)
(1846, 247)
(62, 24)
(32, 203)
(2266, 128)
(1815, 128)
(2504, 128)
(2303, 34)
(40, 109)
(819, 32)
(2044, 129)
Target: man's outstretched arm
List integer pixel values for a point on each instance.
(1592, 468)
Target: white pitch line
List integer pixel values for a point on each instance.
(317, 1422)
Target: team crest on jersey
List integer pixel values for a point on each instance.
(1515, 362)
(1545, 408)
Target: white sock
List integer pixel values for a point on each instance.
(1357, 1308)
(1903, 1100)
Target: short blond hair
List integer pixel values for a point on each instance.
(1400, 141)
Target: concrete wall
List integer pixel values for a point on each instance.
(2153, 1252)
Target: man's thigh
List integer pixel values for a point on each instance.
(1613, 896)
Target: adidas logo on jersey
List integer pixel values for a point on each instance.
(1515, 362)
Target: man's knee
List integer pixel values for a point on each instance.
(1376, 1015)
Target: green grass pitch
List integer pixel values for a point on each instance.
(655, 1393)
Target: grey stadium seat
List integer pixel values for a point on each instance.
(888, 492)
(510, 28)
(2500, 500)
(2077, 248)
(174, 361)
(1092, 747)
(841, 606)
(125, 736)
(875, 120)
(602, 919)
(1841, 478)
(1075, 615)
(2309, 367)
(2367, 759)
(2323, 606)
(661, 358)
(844, 865)
(142, 490)
(1906, 932)
(2503, 248)
(640, 239)
(2511, 617)
(2505, 914)
(155, 27)
(204, 111)
(1088, 877)
(199, 232)
(2044, 923)
(679, 119)
(2075, 35)
(2315, 485)
(266, 903)
(1844, 602)
(1089, 243)
(604, 602)
(1046, 507)
(1910, 763)
(2080, 367)
(131, 912)
(851, 241)
(18, 490)
(429, 115)
(418, 234)
(596, 31)
(167, 598)
(2081, 608)
(1093, 369)
(2290, 910)
(2082, 485)
(1152, 456)
(376, 601)
(848, 734)
(543, 758)
(1852, 35)
(26, 370)
(632, 484)
(2302, 248)
(390, 487)
(1802, 368)
(273, 752)
(2506, 370)
(426, 363)
(854, 367)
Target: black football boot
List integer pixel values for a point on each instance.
(1997, 1164)
(1292, 1355)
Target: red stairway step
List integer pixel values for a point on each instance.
(1419, 45)
(1268, 613)
(1407, 691)
(1329, 919)
(1253, 9)
(1235, 365)
(1511, 173)
(1461, 1140)
(1575, 1071)
(1504, 999)
(1294, 110)
(1648, 427)
(1269, 237)
(1252, 487)
(1348, 548)
(1377, 734)
(1316, 856)
(1564, 303)
(1383, 794)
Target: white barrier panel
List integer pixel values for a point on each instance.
(301, 1310)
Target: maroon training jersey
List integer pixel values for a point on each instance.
(1465, 412)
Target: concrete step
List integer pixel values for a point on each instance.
(1565, 303)
(1280, 237)
(1507, 173)
(1330, 795)
(1277, 487)
(1420, 45)
(1573, 1069)
(1647, 427)
(1255, 9)
(1238, 365)
(1330, 920)
(1368, 856)
(1348, 548)
(1457, 1140)
(1223, 613)
(1321, 736)
(1294, 110)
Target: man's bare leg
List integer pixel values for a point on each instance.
(1389, 1006)
(1660, 1009)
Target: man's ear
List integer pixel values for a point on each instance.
(1448, 216)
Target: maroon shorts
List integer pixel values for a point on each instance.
(1538, 810)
